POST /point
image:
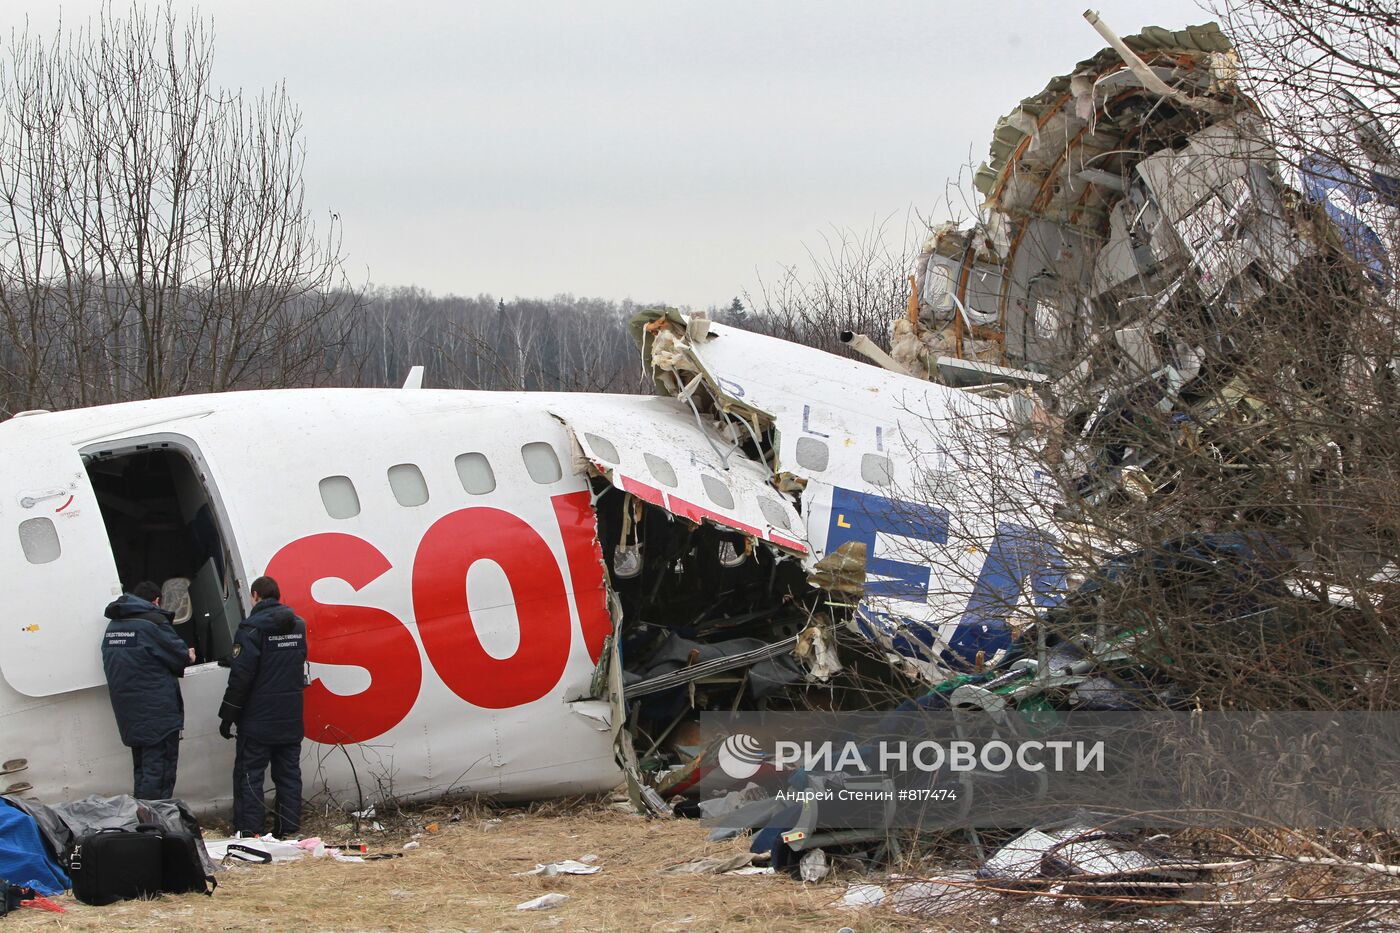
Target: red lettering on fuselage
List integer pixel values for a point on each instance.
(585, 559)
(382, 644)
(358, 635)
(446, 553)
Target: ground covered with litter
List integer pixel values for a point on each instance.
(591, 865)
(465, 876)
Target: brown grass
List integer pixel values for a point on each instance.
(462, 878)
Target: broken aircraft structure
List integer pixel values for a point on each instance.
(1138, 219)
(782, 528)
(1144, 180)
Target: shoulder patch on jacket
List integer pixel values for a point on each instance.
(237, 650)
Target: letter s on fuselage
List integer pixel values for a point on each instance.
(382, 644)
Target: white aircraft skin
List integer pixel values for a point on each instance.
(452, 642)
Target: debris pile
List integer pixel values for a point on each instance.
(1140, 228)
(1087, 352)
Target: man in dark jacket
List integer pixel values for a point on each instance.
(143, 659)
(267, 673)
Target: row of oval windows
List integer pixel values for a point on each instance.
(410, 488)
(875, 469)
(39, 537)
(812, 454)
(665, 474)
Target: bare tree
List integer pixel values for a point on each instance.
(154, 235)
(856, 281)
(559, 344)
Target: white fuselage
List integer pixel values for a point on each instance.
(443, 549)
(388, 705)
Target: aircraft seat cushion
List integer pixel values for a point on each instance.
(175, 596)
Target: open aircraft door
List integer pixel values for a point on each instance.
(51, 526)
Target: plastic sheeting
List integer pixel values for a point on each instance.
(126, 812)
(24, 856)
(57, 836)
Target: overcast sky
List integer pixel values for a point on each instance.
(644, 149)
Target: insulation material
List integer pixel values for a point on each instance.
(817, 650)
(670, 352)
(918, 348)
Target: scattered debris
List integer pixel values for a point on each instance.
(860, 895)
(270, 845)
(1082, 851)
(713, 866)
(813, 865)
(544, 902)
(949, 892)
(731, 801)
(566, 867)
(954, 891)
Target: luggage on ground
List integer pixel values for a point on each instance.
(119, 864)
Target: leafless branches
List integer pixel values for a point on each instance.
(154, 236)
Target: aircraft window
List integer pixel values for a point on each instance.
(661, 470)
(775, 513)
(339, 497)
(812, 454)
(876, 470)
(718, 492)
(407, 482)
(475, 472)
(603, 448)
(39, 538)
(541, 462)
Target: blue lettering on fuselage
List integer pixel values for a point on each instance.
(1321, 177)
(858, 516)
(1019, 556)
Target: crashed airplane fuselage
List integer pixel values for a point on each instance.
(490, 578)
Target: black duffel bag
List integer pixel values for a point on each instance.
(120, 864)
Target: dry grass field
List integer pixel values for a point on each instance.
(463, 877)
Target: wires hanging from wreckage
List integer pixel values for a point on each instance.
(765, 547)
(1162, 375)
(708, 547)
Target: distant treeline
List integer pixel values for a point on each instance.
(560, 344)
(59, 353)
(65, 346)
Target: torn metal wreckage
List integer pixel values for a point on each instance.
(752, 592)
(1137, 215)
(778, 528)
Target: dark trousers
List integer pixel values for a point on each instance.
(153, 768)
(250, 761)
